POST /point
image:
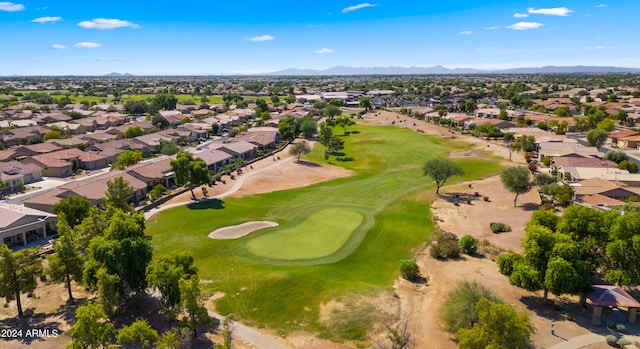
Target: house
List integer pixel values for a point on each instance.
(93, 188)
(60, 163)
(631, 142)
(614, 137)
(154, 171)
(560, 162)
(201, 113)
(23, 135)
(84, 125)
(20, 225)
(500, 124)
(214, 158)
(99, 137)
(48, 118)
(263, 137)
(556, 149)
(173, 117)
(460, 120)
(600, 186)
(112, 149)
(199, 130)
(240, 149)
(152, 141)
(14, 175)
(67, 143)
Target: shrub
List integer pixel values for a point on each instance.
(459, 309)
(611, 324)
(547, 161)
(621, 328)
(567, 316)
(468, 244)
(611, 340)
(499, 227)
(623, 341)
(409, 269)
(446, 246)
(486, 198)
(596, 323)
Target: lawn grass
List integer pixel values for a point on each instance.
(388, 190)
(318, 235)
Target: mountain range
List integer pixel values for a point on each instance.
(440, 70)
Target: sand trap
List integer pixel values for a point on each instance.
(240, 230)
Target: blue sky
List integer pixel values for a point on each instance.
(204, 37)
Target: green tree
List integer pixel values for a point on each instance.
(109, 290)
(75, 209)
(596, 138)
(92, 329)
(468, 245)
(345, 122)
(308, 126)
(499, 326)
(164, 101)
(53, 134)
(94, 224)
(606, 124)
(616, 156)
(516, 180)
(564, 194)
(173, 339)
(18, 271)
(332, 111)
(335, 145)
(66, 264)
(165, 274)
(168, 148)
(287, 128)
(299, 149)
(123, 251)
(365, 102)
(189, 171)
(156, 192)
(119, 193)
(159, 121)
(192, 305)
(623, 250)
(127, 158)
(215, 127)
(409, 269)
(139, 335)
(441, 170)
(459, 308)
(133, 132)
(470, 106)
(527, 143)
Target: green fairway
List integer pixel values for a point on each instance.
(386, 204)
(319, 235)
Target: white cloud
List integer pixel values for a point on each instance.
(520, 15)
(525, 25)
(602, 5)
(107, 23)
(324, 50)
(261, 38)
(86, 44)
(466, 32)
(58, 46)
(10, 7)
(556, 11)
(496, 27)
(357, 7)
(46, 19)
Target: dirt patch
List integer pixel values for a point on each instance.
(467, 154)
(240, 230)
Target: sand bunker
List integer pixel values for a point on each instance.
(240, 230)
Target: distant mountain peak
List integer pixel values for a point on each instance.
(115, 74)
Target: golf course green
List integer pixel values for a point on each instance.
(335, 239)
(319, 235)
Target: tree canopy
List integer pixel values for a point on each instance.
(190, 171)
(516, 180)
(299, 149)
(441, 170)
(75, 209)
(18, 271)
